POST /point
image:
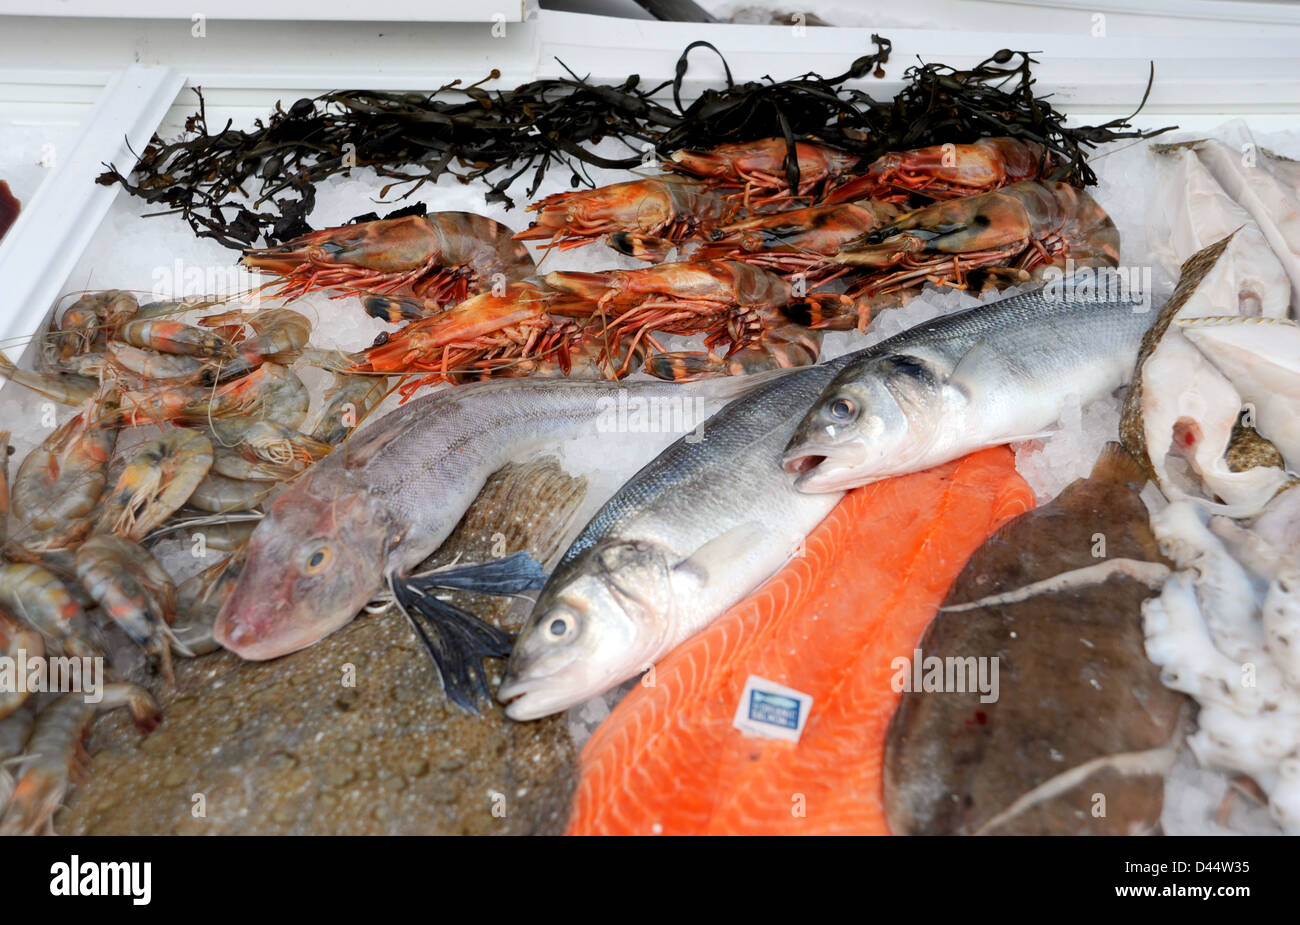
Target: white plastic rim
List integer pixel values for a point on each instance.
(46, 242)
(286, 10)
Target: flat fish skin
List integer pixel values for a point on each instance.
(389, 756)
(1075, 684)
(828, 624)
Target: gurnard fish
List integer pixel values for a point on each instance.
(705, 523)
(368, 513)
(982, 377)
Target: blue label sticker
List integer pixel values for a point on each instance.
(774, 709)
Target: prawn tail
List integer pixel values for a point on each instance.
(175, 643)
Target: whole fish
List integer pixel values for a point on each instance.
(1079, 702)
(388, 497)
(693, 532)
(978, 378)
(706, 523)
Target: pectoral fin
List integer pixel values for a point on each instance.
(719, 554)
(971, 375)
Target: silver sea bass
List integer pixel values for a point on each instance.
(979, 378)
(692, 533)
(705, 523)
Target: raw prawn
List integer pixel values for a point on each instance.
(271, 390)
(5, 448)
(150, 366)
(735, 305)
(90, 321)
(345, 405)
(280, 334)
(37, 596)
(56, 756)
(14, 731)
(167, 336)
(443, 256)
(759, 167)
(795, 241)
(640, 218)
(60, 481)
(948, 171)
(1014, 233)
(200, 600)
(252, 448)
(64, 388)
(158, 478)
(482, 334)
(17, 641)
(134, 592)
(220, 494)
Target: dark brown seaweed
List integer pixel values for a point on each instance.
(234, 186)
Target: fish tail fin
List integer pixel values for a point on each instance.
(455, 639)
(1117, 464)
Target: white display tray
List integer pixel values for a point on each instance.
(122, 79)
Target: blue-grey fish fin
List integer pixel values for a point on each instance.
(455, 639)
(508, 575)
(978, 361)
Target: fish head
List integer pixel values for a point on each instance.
(312, 563)
(873, 420)
(596, 624)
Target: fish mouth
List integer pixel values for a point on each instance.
(248, 643)
(820, 472)
(542, 693)
(802, 463)
(527, 700)
(258, 639)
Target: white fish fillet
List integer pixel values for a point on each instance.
(1272, 202)
(1190, 211)
(1261, 357)
(1181, 386)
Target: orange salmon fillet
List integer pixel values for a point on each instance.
(668, 761)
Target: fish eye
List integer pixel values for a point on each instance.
(559, 627)
(843, 409)
(317, 559)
